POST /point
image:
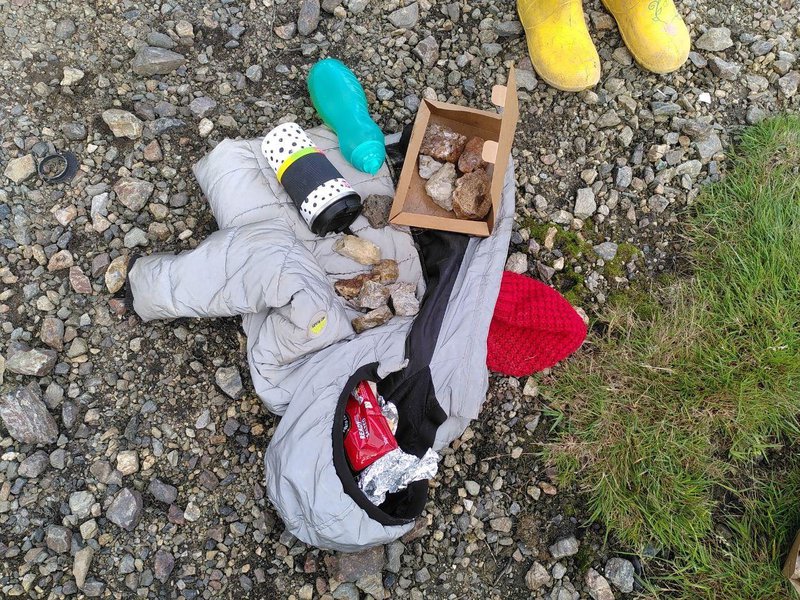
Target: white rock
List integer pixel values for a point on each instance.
(517, 263)
(128, 462)
(585, 204)
(440, 186)
(428, 166)
(71, 76)
(205, 127)
(19, 169)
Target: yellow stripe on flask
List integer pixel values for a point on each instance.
(292, 158)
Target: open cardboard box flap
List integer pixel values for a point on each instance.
(791, 568)
(412, 206)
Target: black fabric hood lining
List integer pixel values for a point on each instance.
(411, 389)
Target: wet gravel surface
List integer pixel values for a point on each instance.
(131, 454)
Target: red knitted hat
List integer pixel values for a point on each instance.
(533, 327)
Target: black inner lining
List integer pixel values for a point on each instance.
(410, 389)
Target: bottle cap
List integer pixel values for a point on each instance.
(369, 156)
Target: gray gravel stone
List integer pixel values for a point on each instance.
(58, 539)
(405, 17)
(308, 20)
(163, 565)
(20, 169)
(135, 237)
(789, 83)
(357, 6)
(427, 50)
(585, 204)
(160, 40)
(74, 131)
(526, 79)
(394, 553)
(597, 586)
(80, 503)
(34, 465)
(724, 69)
(607, 250)
(537, 577)
(377, 209)
(125, 509)
(65, 29)
(163, 492)
(81, 564)
(620, 572)
(30, 361)
(564, 547)
(229, 381)
(202, 106)
(715, 39)
(26, 416)
(517, 263)
(150, 60)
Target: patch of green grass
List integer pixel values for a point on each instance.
(616, 267)
(570, 243)
(683, 417)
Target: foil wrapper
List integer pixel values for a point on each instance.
(393, 472)
(389, 411)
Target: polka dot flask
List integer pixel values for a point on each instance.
(326, 200)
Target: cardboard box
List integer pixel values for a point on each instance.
(791, 568)
(412, 206)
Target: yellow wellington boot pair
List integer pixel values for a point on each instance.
(565, 57)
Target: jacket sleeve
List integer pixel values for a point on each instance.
(242, 270)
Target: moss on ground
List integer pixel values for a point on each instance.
(616, 267)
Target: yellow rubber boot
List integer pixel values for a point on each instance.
(654, 32)
(559, 44)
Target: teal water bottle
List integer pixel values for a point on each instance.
(340, 101)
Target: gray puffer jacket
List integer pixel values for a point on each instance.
(267, 266)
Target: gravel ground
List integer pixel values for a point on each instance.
(134, 467)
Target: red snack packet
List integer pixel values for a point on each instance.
(367, 436)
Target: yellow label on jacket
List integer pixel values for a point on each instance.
(318, 324)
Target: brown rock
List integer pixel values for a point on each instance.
(373, 318)
(385, 272)
(345, 566)
(373, 295)
(442, 143)
(79, 282)
(116, 274)
(376, 210)
(60, 260)
(52, 333)
(471, 199)
(350, 288)
(471, 158)
(100, 264)
(133, 193)
(152, 152)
